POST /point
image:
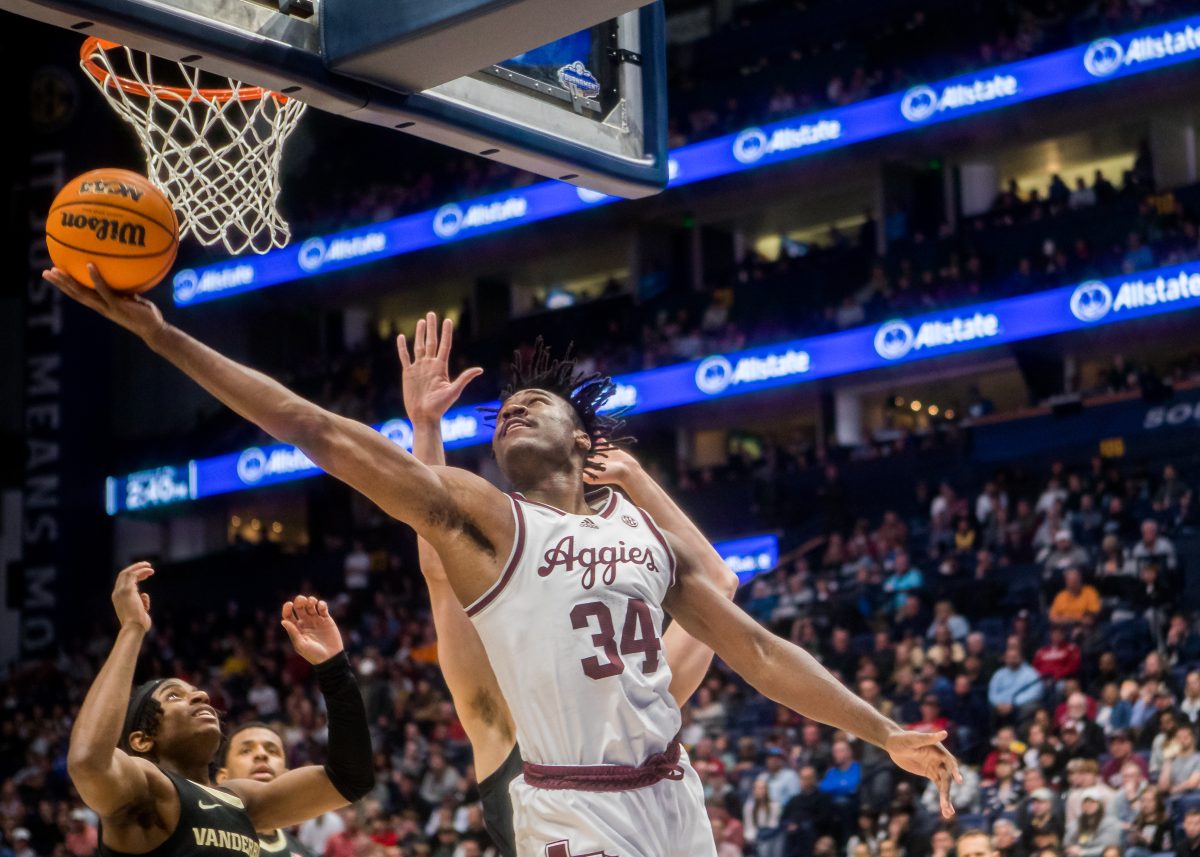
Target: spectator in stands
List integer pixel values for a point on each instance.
(1084, 778)
(945, 614)
(761, 821)
(841, 782)
(1181, 764)
(783, 783)
(1015, 689)
(1129, 792)
(903, 579)
(1120, 754)
(1190, 704)
(1059, 659)
(1062, 555)
(1006, 839)
(1083, 196)
(1075, 600)
(1093, 831)
(1154, 547)
(1170, 491)
(1150, 832)
(807, 816)
(1044, 825)
(1189, 844)
(974, 843)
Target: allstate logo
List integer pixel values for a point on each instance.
(251, 465)
(713, 374)
(448, 221)
(919, 103)
(894, 340)
(398, 432)
(750, 145)
(1091, 301)
(312, 254)
(185, 284)
(1103, 57)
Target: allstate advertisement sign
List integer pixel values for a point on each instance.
(452, 219)
(189, 284)
(255, 465)
(753, 144)
(316, 253)
(1105, 57)
(897, 339)
(1094, 300)
(922, 103)
(717, 374)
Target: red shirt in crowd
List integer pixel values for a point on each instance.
(1057, 662)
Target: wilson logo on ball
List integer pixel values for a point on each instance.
(107, 229)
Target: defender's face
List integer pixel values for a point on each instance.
(538, 423)
(255, 754)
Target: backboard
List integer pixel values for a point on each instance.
(580, 97)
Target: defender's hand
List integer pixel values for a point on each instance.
(131, 604)
(619, 465)
(314, 634)
(428, 390)
(132, 312)
(922, 753)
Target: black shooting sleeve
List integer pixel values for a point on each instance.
(351, 766)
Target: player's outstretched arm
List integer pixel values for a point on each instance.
(114, 784)
(791, 676)
(312, 790)
(428, 394)
(688, 658)
(456, 510)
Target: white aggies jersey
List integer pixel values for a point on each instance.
(573, 629)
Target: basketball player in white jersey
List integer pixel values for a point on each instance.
(428, 394)
(567, 596)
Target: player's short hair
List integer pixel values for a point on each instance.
(227, 743)
(971, 833)
(585, 392)
(144, 714)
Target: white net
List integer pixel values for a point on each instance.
(214, 151)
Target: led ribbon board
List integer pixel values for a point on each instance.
(750, 556)
(928, 104)
(900, 340)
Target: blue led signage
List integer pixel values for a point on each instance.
(921, 106)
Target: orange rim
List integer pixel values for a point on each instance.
(94, 45)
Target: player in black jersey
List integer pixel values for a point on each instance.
(142, 763)
(254, 751)
(428, 394)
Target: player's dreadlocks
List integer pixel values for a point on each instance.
(585, 392)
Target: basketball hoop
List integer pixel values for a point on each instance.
(214, 151)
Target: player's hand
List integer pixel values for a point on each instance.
(131, 604)
(428, 390)
(619, 465)
(315, 636)
(132, 312)
(922, 753)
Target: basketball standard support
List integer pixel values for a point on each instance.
(622, 152)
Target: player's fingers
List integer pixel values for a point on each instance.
(102, 287)
(443, 347)
(288, 610)
(145, 601)
(293, 632)
(943, 782)
(310, 606)
(402, 350)
(72, 289)
(467, 376)
(419, 340)
(143, 572)
(919, 739)
(323, 609)
(431, 334)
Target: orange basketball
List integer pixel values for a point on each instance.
(118, 221)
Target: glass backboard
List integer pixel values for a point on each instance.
(587, 108)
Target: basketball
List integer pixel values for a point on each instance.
(117, 220)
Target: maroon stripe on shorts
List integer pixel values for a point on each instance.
(607, 778)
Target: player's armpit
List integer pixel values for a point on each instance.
(290, 799)
(464, 662)
(467, 519)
